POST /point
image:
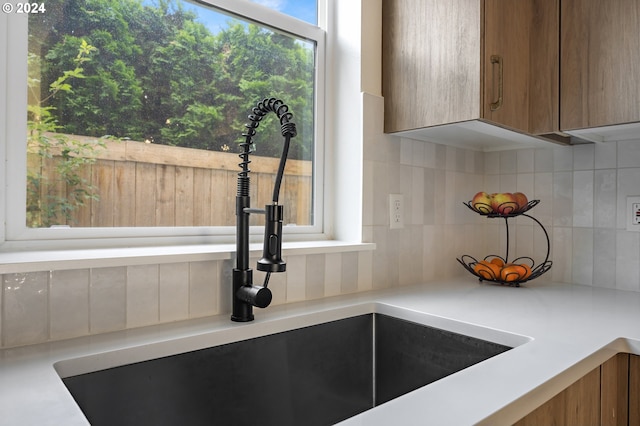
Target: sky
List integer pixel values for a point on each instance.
(301, 9)
(305, 10)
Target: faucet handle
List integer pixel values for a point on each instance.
(255, 295)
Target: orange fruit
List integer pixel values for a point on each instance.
(512, 272)
(498, 261)
(487, 270)
(527, 271)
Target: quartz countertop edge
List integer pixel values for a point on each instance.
(560, 332)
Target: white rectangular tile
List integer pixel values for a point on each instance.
(381, 191)
(428, 197)
(543, 191)
(417, 157)
(173, 291)
(204, 285)
(408, 255)
(562, 198)
(629, 153)
(107, 299)
(605, 203)
(454, 160)
(296, 273)
(406, 151)
(492, 163)
(1, 307)
(604, 258)
(69, 303)
(562, 254)
(441, 156)
(450, 197)
(522, 242)
(364, 270)
(583, 198)
(406, 182)
(429, 160)
(332, 274)
(417, 196)
(314, 278)
(628, 260)
(584, 157)
(143, 295)
(606, 155)
(508, 162)
(543, 160)
(525, 160)
(508, 182)
(25, 308)
(562, 158)
(349, 275)
(582, 262)
(368, 193)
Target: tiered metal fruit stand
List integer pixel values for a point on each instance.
(469, 262)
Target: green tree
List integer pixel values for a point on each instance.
(46, 205)
(160, 75)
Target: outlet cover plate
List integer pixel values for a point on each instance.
(396, 211)
(631, 213)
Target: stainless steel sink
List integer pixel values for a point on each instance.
(315, 375)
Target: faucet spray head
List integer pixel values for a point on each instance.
(271, 260)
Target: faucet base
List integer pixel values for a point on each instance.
(242, 318)
(247, 295)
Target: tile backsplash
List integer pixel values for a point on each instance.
(582, 190)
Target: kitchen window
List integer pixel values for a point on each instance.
(132, 114)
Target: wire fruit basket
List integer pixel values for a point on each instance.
(501, 270)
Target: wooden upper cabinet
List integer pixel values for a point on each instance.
(520, 59)
(600, 57)
(431, 62)
(447, 61)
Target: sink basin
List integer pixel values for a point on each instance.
(314, 375)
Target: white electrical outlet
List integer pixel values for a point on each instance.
(396, 211)
(633, 213)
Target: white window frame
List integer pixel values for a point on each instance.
(15, 235)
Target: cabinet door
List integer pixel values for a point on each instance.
(614, 394)
(600, 63)
(430, 62)
(609, 396)
(577, 405)
(520, 63)
(634, 389)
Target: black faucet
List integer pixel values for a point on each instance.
(245, 294)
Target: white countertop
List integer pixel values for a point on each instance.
(561, 331)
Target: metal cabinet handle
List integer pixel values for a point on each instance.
(497, 59)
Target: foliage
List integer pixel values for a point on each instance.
(45, 205)
(158, 74)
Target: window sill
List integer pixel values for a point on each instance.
(50, 260)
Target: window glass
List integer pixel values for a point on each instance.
(136, 110)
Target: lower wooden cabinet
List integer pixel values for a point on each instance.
(634, 390)
(608, 395)
(614, 390)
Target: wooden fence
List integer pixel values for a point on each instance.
(141, 184)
